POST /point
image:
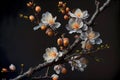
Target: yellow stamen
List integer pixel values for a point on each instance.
(91, 35)
(75, 25)
(51, 21)
(78, 14)
(53, 54)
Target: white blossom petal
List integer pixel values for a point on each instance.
(55, 75)
(83, 36)
(85, 14)
(97, 34)
(85, 27)
(55, 18)
(37, 27)
(77, 11)
(56, 25)
(72, 31)
(98, 41)
(71, 14)
(92, 41)
(45, 17)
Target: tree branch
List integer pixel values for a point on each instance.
(38, 78)
(98, 10)
(46, 64)
(66, 52)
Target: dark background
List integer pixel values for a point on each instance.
(19, 44)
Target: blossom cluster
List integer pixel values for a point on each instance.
(76, 24)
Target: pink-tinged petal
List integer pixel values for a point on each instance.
(12, 67)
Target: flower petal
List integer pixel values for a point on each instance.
(72, 68)
(60, 54)
(78, 11)
(98, 41)
(71, 21)
(37, 27)
(85, 14)
(71, 14)
(55, 18)
(54, 49)
(68, 27)
(45, 17)
(81, 24)
(97, 34)
(56, 25)
(83, 36)
(72, 31)
(85, 27)
(92, 41)
(81, 69)
(55, 75)
(79, 31)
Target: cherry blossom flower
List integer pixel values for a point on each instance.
(91, 37)
(76, 26)
(86, 45)
(12, 67)
(52, 54)
(78, 64)
(79, 14)
(58, 68)
(55, 77)
(48, 20)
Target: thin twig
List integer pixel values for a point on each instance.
(39, 78)
(46, 64)
(47, 71)
(98, 10)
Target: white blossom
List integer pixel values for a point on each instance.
(12, 67)
(76, 26)
(55, 76)
(79, 14)
(52, 54)
(91, 37)
(77, 64)
(58, 68)
(48, 20)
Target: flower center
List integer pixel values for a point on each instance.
(78, 14)
(91, 35)
(51, 21)
(75, 26)
(53, 54)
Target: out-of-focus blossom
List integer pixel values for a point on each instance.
(12, 67)
(52, 54)
(58, 68)
(91, 37)
(48, 20)
(55, 77)
(86, 45)
(76, 26)
(79, 14)
(4, 70)
(77, 64)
